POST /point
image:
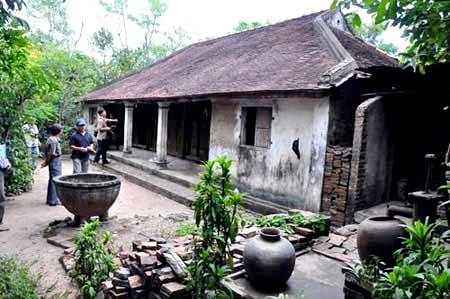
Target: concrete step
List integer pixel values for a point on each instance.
(165, 174)
(171, 188)
(154, 183)
(261, 206)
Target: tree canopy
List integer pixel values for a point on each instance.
(425, 23)
(44, 75)
(372, 33)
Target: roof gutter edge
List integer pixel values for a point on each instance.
(319, 92)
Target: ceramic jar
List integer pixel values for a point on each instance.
(269, 259)
(380, 236)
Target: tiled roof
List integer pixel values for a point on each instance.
(288, 56)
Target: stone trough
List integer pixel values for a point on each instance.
(87, 194)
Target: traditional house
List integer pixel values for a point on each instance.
(284, 101)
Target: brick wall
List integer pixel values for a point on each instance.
(336, 183)
(371, 165)
(357, 173)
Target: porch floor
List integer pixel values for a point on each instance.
(177, 168)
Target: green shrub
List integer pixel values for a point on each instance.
(16, 280)
(93, 259)
(21, 177)
(317, 223)
(421, 269)
(216, 207)
(278, 221)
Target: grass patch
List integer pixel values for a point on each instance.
(186, 229)
(16, 280)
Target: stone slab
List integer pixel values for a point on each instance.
(63, 243)
(336, 240)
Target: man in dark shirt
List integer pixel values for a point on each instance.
(81, 144)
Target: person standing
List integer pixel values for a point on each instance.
(102, 136)
(4, 167)
(81, 143)
(53, 160)
(31, 132)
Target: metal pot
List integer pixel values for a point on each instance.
(87, 194)
(380, 236)
(269, 259)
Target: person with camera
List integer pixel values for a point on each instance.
(102, 136)
(81, 143)
(31, 133)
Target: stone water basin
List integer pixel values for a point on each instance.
(87, 194)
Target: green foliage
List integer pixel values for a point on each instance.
(425, 24)
(421, 269)
(103, 40)
(215, 206)
(318, 223)
(243, 26)
(53, 14)
(16, 280)
(7, 9)
(149, 22)
(118, 8)
(300, 295)
(186, 229)
(371, 33)
(20, 81)
(367, 273)
(278, 221)
(93, 259)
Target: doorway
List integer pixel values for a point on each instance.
(188, 133)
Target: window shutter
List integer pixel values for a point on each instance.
(263, 127)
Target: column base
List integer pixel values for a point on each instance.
(159, 164)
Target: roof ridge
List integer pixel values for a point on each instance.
(346, 63)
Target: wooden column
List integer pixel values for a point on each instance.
(161, 139)
(128, 128)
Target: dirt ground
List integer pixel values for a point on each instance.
(137, 212)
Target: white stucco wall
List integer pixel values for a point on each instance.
(276, 173)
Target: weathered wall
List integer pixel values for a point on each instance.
(275, 173)
(371, 169)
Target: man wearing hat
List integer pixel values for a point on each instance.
(81, 143)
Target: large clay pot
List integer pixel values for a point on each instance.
(87, 194)
(269, 259)
(380, 236)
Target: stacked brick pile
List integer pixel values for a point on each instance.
(336, 183)
(156, 268)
